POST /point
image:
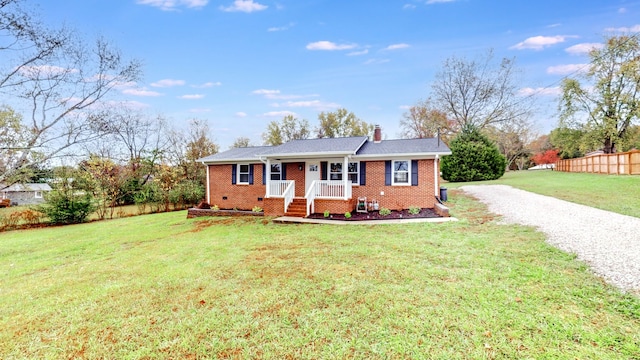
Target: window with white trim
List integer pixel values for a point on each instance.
(38, 194)
(243, 174)
(276, 171)
(335, 171)
(401, 172)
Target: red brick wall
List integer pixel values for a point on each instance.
(243, 197)
(294, 173)
(274, 206)
(398, 197)
(334, 206)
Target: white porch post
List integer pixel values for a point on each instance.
(345, 175)
(436, 174)
(208, 187)
(267, 173)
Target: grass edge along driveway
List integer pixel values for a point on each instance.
(162, 286)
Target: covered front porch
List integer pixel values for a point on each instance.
(288, 196)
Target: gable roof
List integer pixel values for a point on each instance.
(251, 153)
(318, 147)
(426, 147)
(26, 187)
(356, 147)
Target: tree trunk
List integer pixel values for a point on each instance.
(609, 146)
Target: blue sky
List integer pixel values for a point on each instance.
(240, 64)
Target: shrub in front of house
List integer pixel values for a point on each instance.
(473, 158)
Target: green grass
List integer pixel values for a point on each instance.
(161, 286)
(617, 193)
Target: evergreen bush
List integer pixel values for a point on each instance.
(474, 158)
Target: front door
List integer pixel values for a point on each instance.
(311, 174)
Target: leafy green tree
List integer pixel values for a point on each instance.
(105, 181)
(241, 142)
(474, 158)
(569, 142)
(513, 140)
(289, 128)
(68, 202)
(607, 101)
(342, 123)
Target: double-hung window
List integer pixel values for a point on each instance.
(243, 173)
(401, 171)
(276, 171)
(335, 171)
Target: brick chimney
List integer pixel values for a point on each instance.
(377, 134)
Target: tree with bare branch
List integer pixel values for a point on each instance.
(59, 83)
(479, 92)
(423, 120)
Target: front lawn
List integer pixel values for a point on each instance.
(162, 286)
(617, 193)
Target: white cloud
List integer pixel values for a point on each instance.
(316, 104)
(168, 83)
(169, 5)
(540, 42)
(549, 91)
(429, 2)
(567, 69)
(140, 92)
(281, 28)
(632, 29)
(328, 45)
(279, 113)
(622, 10)
(408, 7)
(397, 46)
(191, 96)
(268, 94)
(240, 114)
(583, 49)
(376, 61)
(358, 53)
(207, 85)
(244, 6)
(275, 94)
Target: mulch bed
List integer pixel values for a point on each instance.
(375, 215)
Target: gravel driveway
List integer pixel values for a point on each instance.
(607, 241)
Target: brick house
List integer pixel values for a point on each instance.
(308, 176)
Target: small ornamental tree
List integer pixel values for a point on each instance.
(547, 157)
(474, 157)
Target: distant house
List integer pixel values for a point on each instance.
(308, 176)
(25, 194)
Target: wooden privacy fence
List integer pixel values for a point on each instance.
(625, 163)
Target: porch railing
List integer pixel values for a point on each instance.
(327, 189)
(278, 187)
(288, 194)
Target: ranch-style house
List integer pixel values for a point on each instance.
(308, 176)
